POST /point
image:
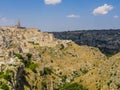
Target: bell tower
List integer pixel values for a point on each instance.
(18, 24)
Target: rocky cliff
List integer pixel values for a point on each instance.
(33, 60)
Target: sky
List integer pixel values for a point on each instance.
(61, 15)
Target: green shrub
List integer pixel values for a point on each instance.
(4, 87)
(7, 77)
(84, 71)
(31, 65)
(76, 74)
(32, 42)
(47, 70)
(41, 73)
(8, 71)
(29, 55)
(1, 74)
(27, 63)
(18, 55)
(110, 81)
(64, 78)
(61, 46)
(118, 86)
(44, 85)
(72, 86)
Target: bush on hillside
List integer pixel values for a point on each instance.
(18, 55)
(46, 71)
(29, 56)
(72, 86)
(4, 87)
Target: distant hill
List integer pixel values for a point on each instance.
(108, 41)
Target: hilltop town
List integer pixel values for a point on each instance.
(35, 60)
(22, 40)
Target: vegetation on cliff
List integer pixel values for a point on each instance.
(54, 64)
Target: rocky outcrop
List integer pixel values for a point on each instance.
(33, 60)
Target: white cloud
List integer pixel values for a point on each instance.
(102, 10)
(73, 16)
(53, 2)
(116, 16)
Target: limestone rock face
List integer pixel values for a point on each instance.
(22, 40)
(34, 60)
